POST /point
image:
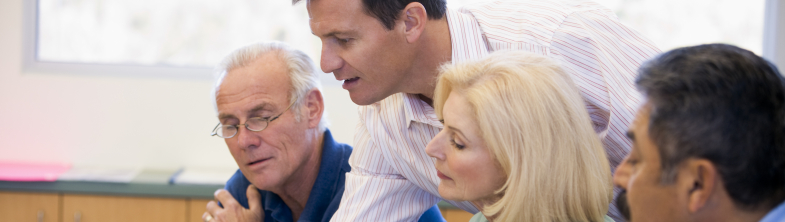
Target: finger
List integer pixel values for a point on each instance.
(254, 198)
(213, 208)
(226, 198)
(204, 216)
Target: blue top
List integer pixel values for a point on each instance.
(326, 192)
(325, 195)
(775, 215)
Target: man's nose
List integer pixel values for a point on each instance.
(330, 60)
(247, 139)
(622, 174)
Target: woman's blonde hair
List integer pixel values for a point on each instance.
(537, 128)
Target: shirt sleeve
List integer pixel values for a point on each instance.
(603, 56)
(375, 191)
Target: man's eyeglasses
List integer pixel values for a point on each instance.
(255, 124)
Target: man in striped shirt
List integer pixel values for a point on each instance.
(388, 53)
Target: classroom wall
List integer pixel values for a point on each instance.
(774, 34)
(116, 120)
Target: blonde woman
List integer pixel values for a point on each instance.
(518, 143)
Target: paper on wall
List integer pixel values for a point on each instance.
(100, 174)
(17, 171)
(203, 176)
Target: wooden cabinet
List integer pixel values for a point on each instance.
(29, 207)
(196, 207)
(456, 215)
(92, 208)
(44, 207)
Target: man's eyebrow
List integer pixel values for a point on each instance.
(335, 33)
(254, 110)
(258, 108)
(631, 135)
(459, 132)
(223, 116)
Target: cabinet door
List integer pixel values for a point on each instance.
(90, 208)
(196, 208)
(29, 207)
(456, 215)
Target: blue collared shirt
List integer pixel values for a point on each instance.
(325, 195)
(775, 215)
(326, 192)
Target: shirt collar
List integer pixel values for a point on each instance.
(468, 44)
(324, 188)
(468, 41)
(277, 208)
(417, 110)
(776, 214)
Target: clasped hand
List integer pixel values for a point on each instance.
(232, 211)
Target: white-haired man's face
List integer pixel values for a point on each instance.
(273, 158)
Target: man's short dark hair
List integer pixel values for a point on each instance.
(387, 11)
(724, 104)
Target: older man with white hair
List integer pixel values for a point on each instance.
(270, 112)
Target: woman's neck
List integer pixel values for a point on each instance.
(481, 205)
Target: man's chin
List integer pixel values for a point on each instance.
(263, 185)
(363, 98)
(361, 102)
(264, 181)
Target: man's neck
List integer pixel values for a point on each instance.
(720, 207)
(296, 192)
(736, 215)
(433, 49)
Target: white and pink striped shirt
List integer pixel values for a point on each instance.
(393, 179)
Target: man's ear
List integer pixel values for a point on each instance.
(701, 181)
(414, 18)
(314, 104)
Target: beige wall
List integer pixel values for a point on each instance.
(774, 35)
(115, 120)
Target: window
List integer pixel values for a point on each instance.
(163, 32)
(157, 37)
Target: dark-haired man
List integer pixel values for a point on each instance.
(388, 53)
(709, 142)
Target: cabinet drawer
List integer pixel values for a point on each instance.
(91, 208)
(29, 207)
